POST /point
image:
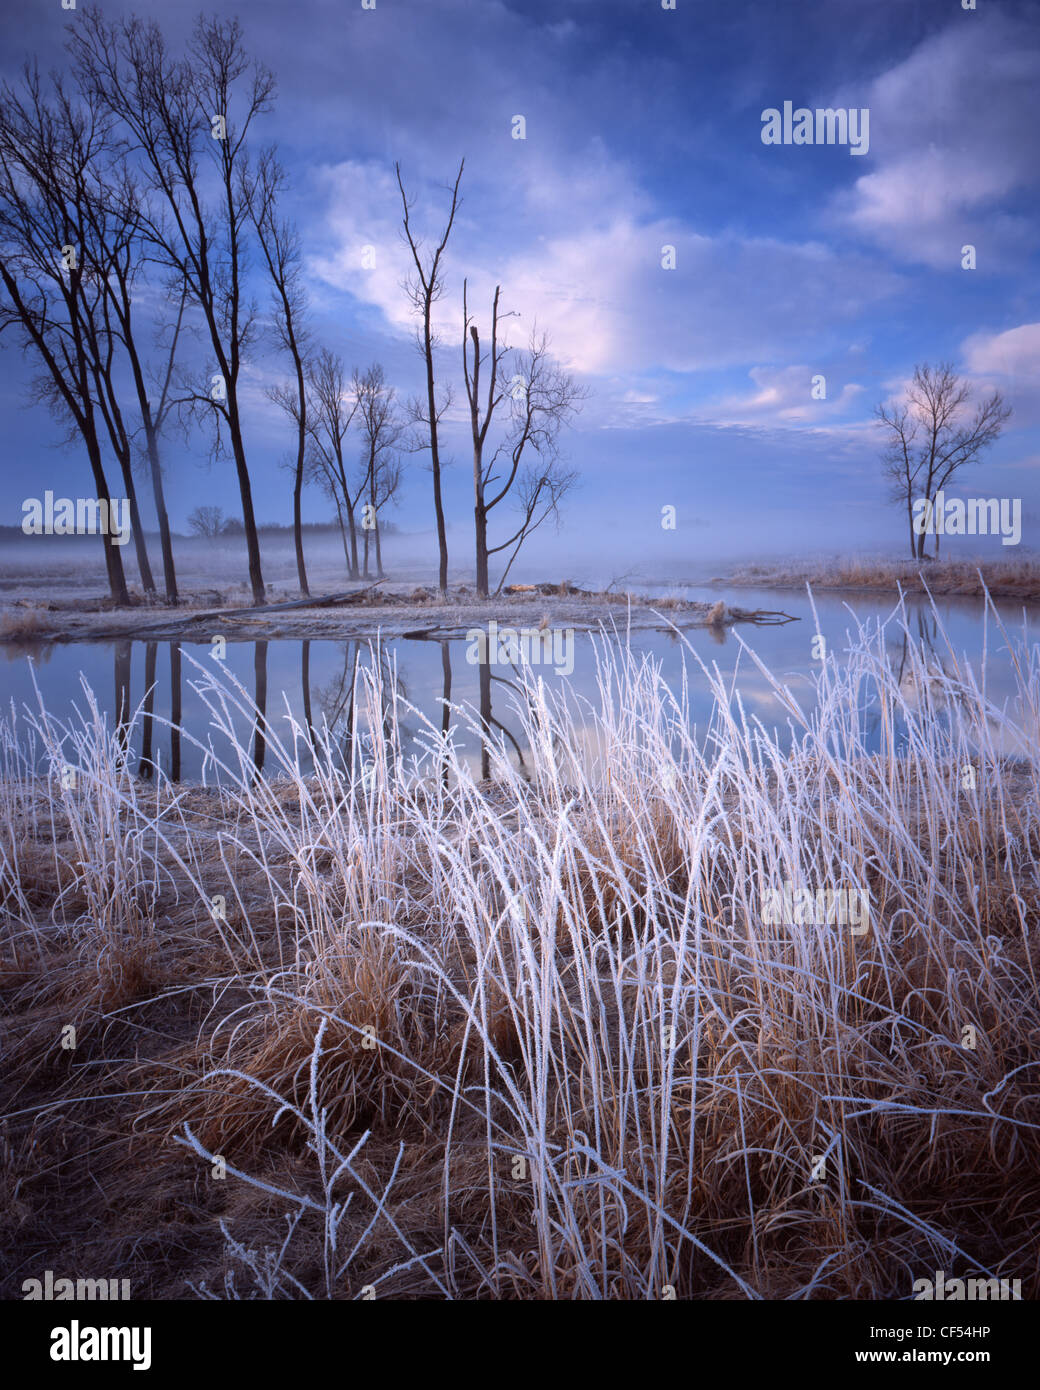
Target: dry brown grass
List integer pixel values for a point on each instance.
(1019, 578)
(534, 1039)
(23, 624)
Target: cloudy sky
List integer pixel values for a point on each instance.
(643, 130)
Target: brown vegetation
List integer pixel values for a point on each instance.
(533, 1037)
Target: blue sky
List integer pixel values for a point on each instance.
(643, 129)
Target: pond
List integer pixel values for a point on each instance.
(155, 682)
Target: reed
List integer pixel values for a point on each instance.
(536, 1037)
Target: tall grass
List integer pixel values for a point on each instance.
(533, 1038)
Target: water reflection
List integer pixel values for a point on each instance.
(370, 700)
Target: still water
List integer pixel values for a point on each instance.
(155, 682)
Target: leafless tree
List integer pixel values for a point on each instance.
(110, 198)
(105, 224)
(537, 399)
(121, 268)
(329, 416)
(280, 244)
(207, 522)
(381, 428)
(50, 288)
(424, 290)
(186, 121)
(930, 438)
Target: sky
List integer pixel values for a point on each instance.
(643, 131)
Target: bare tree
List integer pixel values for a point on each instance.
(902, 461)
(329, 416)
(280, 243)
(116, 249)
(49, 293)
(121, 266)
(424, 291)
(541, 398)
(930, 438)
(187, 122)
(381, 430)
(207, 522)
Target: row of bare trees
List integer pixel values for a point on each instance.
(135, 210)
(131, 183)
(516, 416)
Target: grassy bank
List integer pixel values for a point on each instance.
(533, 1037)
(972, 578)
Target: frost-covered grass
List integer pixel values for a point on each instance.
(534, 1037)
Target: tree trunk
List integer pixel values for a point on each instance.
(301, 456)
(480, 527)
(435, 458)
(301, 568)
(256, 578)
(159, 494)
(355, 572)
(343, 537)
(140, 547)
(113, 558)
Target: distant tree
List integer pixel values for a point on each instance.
(424, 291)
(929, 439)
(207, 522)
(535, 399)
(330, 411)
(381, 428)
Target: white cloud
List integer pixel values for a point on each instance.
(599, 288)
(950, 136)
(784, 395)
(1008, 362)
(1013, 353)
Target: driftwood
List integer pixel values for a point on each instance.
(436, 634)
(564, 590)
(762, 617)
(759, 617)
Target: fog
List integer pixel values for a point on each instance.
(42, 567)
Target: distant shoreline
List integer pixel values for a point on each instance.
(947, 578)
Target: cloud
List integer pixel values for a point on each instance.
(785, 395)
(950, 137)
(1013, 353)
(600, 289)
(1008, 362)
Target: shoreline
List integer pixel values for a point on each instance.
(393, 616)
(410, 610)
(1018, 579)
